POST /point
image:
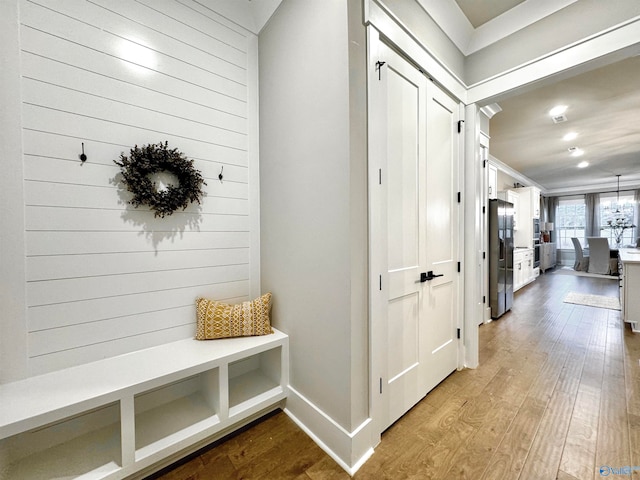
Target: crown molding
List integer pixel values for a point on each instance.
(457, 27)
(526, 181)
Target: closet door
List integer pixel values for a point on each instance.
(414, 325)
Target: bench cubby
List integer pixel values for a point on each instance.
(135, 413)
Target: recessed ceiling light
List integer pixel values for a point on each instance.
(583, 164)
(570, 136)
(557, 110)
(576, 152)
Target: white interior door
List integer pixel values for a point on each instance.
(405, 185)
(442, 209)
(414, 214)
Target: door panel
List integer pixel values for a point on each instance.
(402, 174)
(402, 338)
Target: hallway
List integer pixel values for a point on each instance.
(557, 395)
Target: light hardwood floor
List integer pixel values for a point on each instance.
(556, 396)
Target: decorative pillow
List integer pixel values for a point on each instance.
(221, 320)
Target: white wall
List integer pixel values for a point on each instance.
(313, 200)
(103, 278)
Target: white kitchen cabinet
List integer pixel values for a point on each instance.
(528, 209)
(535, 202)
(630, 285)
(492, 182)
(514, 198)
(518, 274)
(529, 271)
(523, 271)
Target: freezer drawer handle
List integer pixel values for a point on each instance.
(429, 276)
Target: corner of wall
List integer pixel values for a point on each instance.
(13, 328)
(350, 450)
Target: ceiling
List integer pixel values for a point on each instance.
(603, 109)
(479, 13)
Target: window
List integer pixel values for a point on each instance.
(610, 209)
(570, 222)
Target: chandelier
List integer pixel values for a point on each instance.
(618, 222)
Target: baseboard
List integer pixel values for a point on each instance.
(350, 450)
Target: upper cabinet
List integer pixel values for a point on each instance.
(528, 209)
(514, 198)
(535, 202)
(492, 182)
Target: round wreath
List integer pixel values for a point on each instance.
(144, 161)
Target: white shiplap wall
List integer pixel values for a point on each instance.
(104, 278)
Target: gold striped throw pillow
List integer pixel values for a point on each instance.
(221, 320)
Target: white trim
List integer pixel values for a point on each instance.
(401, 36)
(526, 181)
(350, 450)
(253, 154)
(13, 298)
(602, 187)
(584, 53)
(589, 49)
(452, 21)
(485, 140)
(556, 192)
(517, 18)
(472, 304)
(377, 302)
(469, 40)
(460, 242)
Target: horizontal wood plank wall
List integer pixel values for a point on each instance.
(104, 278)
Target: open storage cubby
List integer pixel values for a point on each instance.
(254, 378)
(138, 412)
(173, 412)
(86, 444)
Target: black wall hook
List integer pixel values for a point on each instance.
(83, 157)
(220, 176)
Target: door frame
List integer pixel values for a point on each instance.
(377, 265)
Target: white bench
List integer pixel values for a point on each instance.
(138, 412)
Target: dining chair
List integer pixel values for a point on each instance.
(582, 260)
(600, 260)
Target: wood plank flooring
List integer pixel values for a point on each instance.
(556, 396)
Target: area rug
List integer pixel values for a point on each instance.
(571, 271)
(600, 301)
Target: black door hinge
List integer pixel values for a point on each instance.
(484, 299)
(458, 267)
(460, 122)
(459, 197)
(379, 65)
(484, 209)
(380, 384)
(379, 176)
(484, 255)
(458, 333)
(380, 282)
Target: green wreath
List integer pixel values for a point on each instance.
(142, 162)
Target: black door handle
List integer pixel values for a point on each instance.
(429, 276)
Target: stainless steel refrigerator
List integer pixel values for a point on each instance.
(500, 257)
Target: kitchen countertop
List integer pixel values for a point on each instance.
(629, 255)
